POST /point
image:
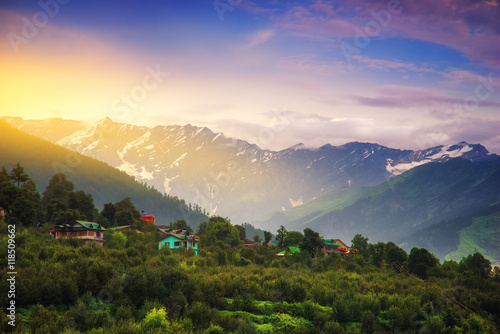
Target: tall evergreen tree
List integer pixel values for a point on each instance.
(4, 175)
(267, 237)
(281, 236)
(58, 189)
(18, 175)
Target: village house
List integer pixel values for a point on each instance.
(335, 246)
(148, 218)
(86, 231)
(178, 239)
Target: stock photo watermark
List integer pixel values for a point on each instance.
(482, 92)
(11, 273)
(151, 80)
(371, 30)
(31, 27)
(222, 6)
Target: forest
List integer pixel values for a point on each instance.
(128, 285)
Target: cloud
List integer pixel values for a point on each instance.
(340, 131)
(311, 63)
(319, 21)
(471, 130)
(394, 64)
(263, 8)
(470, 27)
(289, 128)
(259, 37)
(415, 97)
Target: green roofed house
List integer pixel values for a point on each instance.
(86, 231)
(335, 246)
(179, 240)
(289, 251)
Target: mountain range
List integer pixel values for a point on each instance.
(234, 178)
(439, 197)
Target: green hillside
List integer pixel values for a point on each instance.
(456, 238)
(42, 159)
(483, 236)
(303, 214)
(400, 208)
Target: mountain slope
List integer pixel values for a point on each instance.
(234, 178)
(453, 239)
(42, 159)
(51, 129)
(402, 206)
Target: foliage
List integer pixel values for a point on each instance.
(18, 175)
(420, 261)
(281, 235)
(293, 238)
(311, 242)
(267, 237)
(243, 231)
(220, 230)
(129, 286)
(360, 244)
(155, 319)
(475, 264)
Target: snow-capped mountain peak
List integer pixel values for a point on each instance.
(237, 179)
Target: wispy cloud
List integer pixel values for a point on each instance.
(311, 63)
(259, 37)
(413, 97)
(470, 27)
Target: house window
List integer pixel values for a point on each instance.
(177, 244)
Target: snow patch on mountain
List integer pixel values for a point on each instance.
(179, 159)
(401, 168)
(91, 146)
(76, 138)
(140, 173)
(297, 202)
(166, 184)
(445, 153)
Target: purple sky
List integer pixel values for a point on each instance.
(405, 74)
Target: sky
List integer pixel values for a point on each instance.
(405, 74)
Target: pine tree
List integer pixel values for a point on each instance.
(18, 175)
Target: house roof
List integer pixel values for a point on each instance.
(191, 237)
(341, 243)
(289, 251)
(330, 242)
(83, 226)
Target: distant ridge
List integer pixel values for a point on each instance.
(42, 159)
(237, 179)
